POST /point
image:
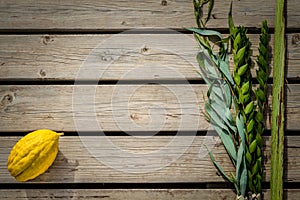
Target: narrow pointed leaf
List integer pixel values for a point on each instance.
(225, 70)
(244, 178)
(230, 20)
(210, 7)
(240, 127)
(219, 168)
(227, 142)
(205, 32)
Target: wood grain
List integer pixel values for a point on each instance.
(120, 14)
(129, 194)
(153, 57)
(157, 159)
(139, 108)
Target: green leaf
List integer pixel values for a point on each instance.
(258, 152)
(204, 43)
(244, 178)
(250, 125)
(230, 20)
(224, 68)
(262, 74)
(243, 98)
(250, 185)
(258, 185)
(240, 56)
(248, 157)
(265, 26)
(229, 121)
(259, 117)
(219, 168)
(239, 164)
(259, 163)
(216, 96)
(255, 168)
(240, 126)
(237, 41)
(260, 95)
(246, 87)
(210, 7)
(243, 69)
(237, 79)
(227, 94)
(205, 32)
(249, 108)
(260, 79)
(263, 50)
(263, 64)
(252, 146)
(222, 114)
(207, 71)
(259, 140)
(250, 137)
(227, 142)
(216, 120)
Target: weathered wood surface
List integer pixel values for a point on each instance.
(122, 14)
(165, 107)
(154, 56)
(135, 109)
(157, 159)
(129, 194)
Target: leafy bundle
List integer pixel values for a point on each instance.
(233, 107)
(214, 69)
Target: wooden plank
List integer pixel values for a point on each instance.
(131, 194)
(165, 107)
(121, 14)
(157, 159)
(155, 56)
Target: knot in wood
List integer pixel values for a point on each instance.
(7, 99)
(47, 39)
(133, 116)
(144, 49)
(164, 2)
(42, 73)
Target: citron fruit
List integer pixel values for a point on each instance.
(33, 154)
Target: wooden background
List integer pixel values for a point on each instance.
(43, 45)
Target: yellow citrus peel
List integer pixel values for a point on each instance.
(33, 154)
